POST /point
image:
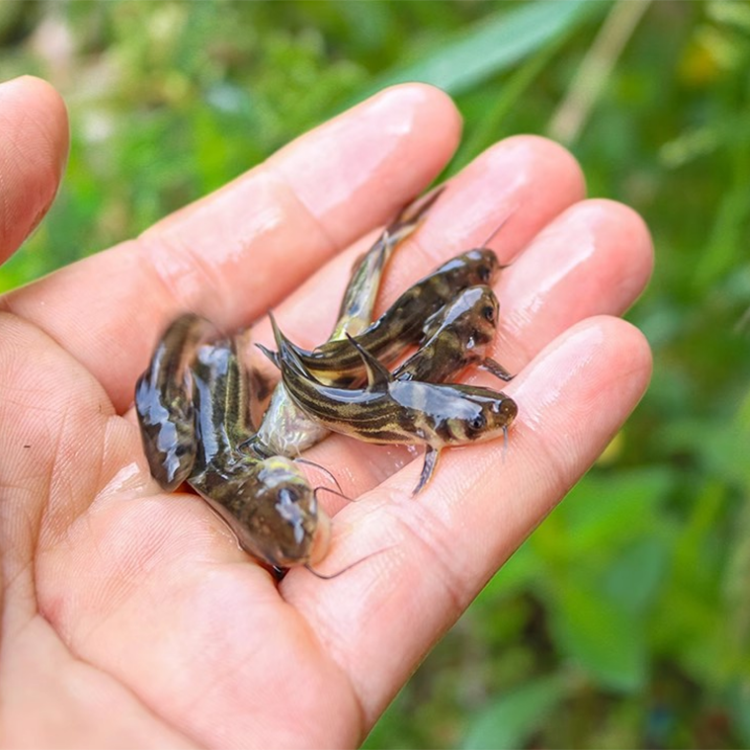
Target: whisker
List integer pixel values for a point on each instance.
(333, 492)
(494, 232)
(330, 474)
(325, 577)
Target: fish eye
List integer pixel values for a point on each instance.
(488, 313)
(484, 274)
(478, 422)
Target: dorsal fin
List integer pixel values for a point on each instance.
(288, 354)
(273, 356)
(378, 377)
(287, 351)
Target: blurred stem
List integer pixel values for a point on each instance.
(568, 122)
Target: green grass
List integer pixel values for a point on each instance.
(625, 620)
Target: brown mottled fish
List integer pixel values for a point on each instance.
(455, 338)
(402, 325)
(355, 313)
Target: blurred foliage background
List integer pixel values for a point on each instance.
(624, 621)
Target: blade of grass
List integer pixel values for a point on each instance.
(491, 46)
(586, 87)
(512, 719)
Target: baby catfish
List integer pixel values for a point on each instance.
(456, 337)
(355, 313)
(403, 324)
(268, 503)
(164, 401)
(397, 411)
(337, 363)
(285, 429)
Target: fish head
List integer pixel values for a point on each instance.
(484, 415)
(476, 321)
(288, 528)
(480, 266)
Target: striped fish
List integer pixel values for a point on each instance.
(285, 429)
(164, 401)
(268, 503)
(396, 411)
(403, 324)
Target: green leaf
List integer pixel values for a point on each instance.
(491, 46)
(510, 721)
(604, 638)
(606, 509)
(636, 577)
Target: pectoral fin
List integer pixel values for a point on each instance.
(496, 369)
(378, 376)
(431, 456)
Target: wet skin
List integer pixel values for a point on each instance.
(267, 502)
(285, 429)
(455, 338)
(403, 324)
(397, 411)
(193, 408)
(164, 401)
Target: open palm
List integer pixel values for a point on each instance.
(130, 617)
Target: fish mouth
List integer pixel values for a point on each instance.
(509, 409)
(506, 411)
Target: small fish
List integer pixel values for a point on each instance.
(455, 338)
(267, 502)
(337, 363)
(355, 313)
(285, 429)
(397, 411)
(164, 402)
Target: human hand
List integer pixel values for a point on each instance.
(131, 617)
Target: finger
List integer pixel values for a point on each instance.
(237, 252)
(593, 259)
(441, 547)
(146, 592)
(525, 181)
(33, 151)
